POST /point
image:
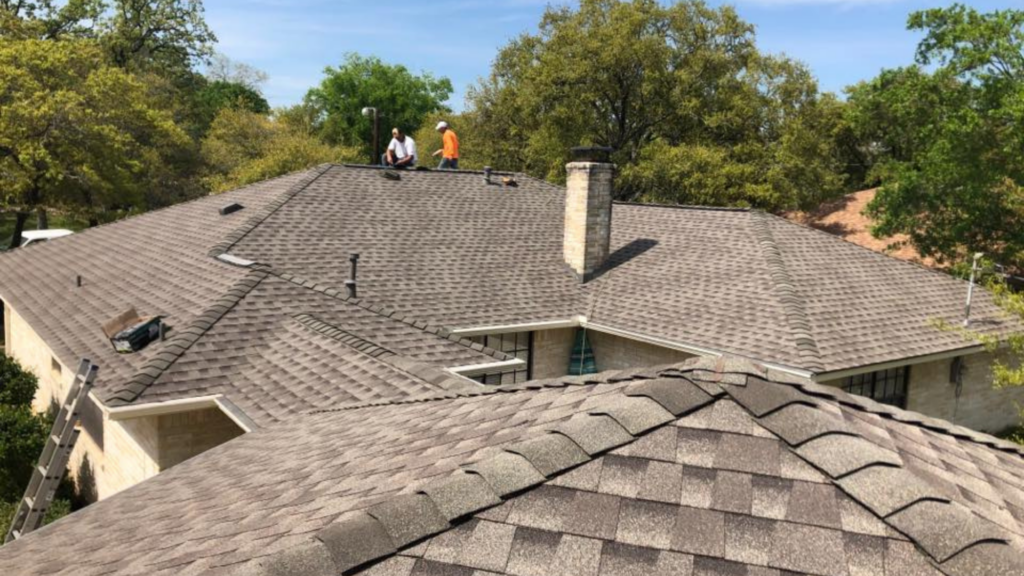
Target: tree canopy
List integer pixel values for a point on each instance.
(243, 147)
(945, 137)
(402, 98)
(694, 112)
(75, 130)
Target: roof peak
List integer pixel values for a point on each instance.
(809, 429)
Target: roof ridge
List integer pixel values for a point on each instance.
(379, 531)
(439, 331)
(428, 373)
(795, 308)
(684, 206)
(610, 377)
(268, 210)
(90, 229)
(174, 349)
(875, 477)
(870, 406)
(344, 336)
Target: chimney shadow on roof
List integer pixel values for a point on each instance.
(625, 254)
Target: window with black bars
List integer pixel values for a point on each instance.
(885, 386)
(518, 344)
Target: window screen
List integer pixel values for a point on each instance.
(518, 344)
(885, 386)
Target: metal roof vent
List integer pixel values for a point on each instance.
(128, 332)
(230, 208)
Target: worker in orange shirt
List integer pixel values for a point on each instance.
(450, 152)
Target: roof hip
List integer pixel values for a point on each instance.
(185, 338)
(795, 309)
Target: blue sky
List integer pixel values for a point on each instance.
(842, 41)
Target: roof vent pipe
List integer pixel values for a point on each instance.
(487, 174)
(351, 282)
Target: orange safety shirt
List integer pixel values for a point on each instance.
(451, 144)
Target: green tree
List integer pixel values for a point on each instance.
(49, 19)
(243, 147)
(22, 436)
(680, 92)
(219, 94)
(402, 98)
(76, 131)
(947, 137)
(17, 386)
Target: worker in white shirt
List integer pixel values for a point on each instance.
(401, 151)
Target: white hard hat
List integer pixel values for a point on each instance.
(441, 124)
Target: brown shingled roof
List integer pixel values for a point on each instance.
(444, 251)
(709, 467)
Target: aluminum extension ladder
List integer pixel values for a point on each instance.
(54, 460)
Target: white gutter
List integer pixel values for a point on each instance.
(839, 374)
(182, 405)
(477, 369)
(690, 348)
(510, 328)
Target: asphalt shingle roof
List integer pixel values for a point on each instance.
(680, 470)
(443, 251)
(457, 252)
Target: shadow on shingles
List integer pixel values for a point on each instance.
(625, 254)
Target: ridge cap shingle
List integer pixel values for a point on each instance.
(184, 338)
(880, 481)
(401, 521)
(268, 210)
(794, 308)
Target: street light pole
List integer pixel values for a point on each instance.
(368, 112)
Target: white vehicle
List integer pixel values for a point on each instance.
(36, 236)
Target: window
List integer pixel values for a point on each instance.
(885, 386)
(518, 344)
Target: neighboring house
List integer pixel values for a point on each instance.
(462, 277)
(709, 468)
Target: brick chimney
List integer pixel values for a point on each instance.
(588, 210)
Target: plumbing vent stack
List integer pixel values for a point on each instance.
(487, 174)
(351, 282)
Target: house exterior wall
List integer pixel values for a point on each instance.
(618, 353)
(981, 407)
(186, 434)
(551, 352)
(112, 455)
